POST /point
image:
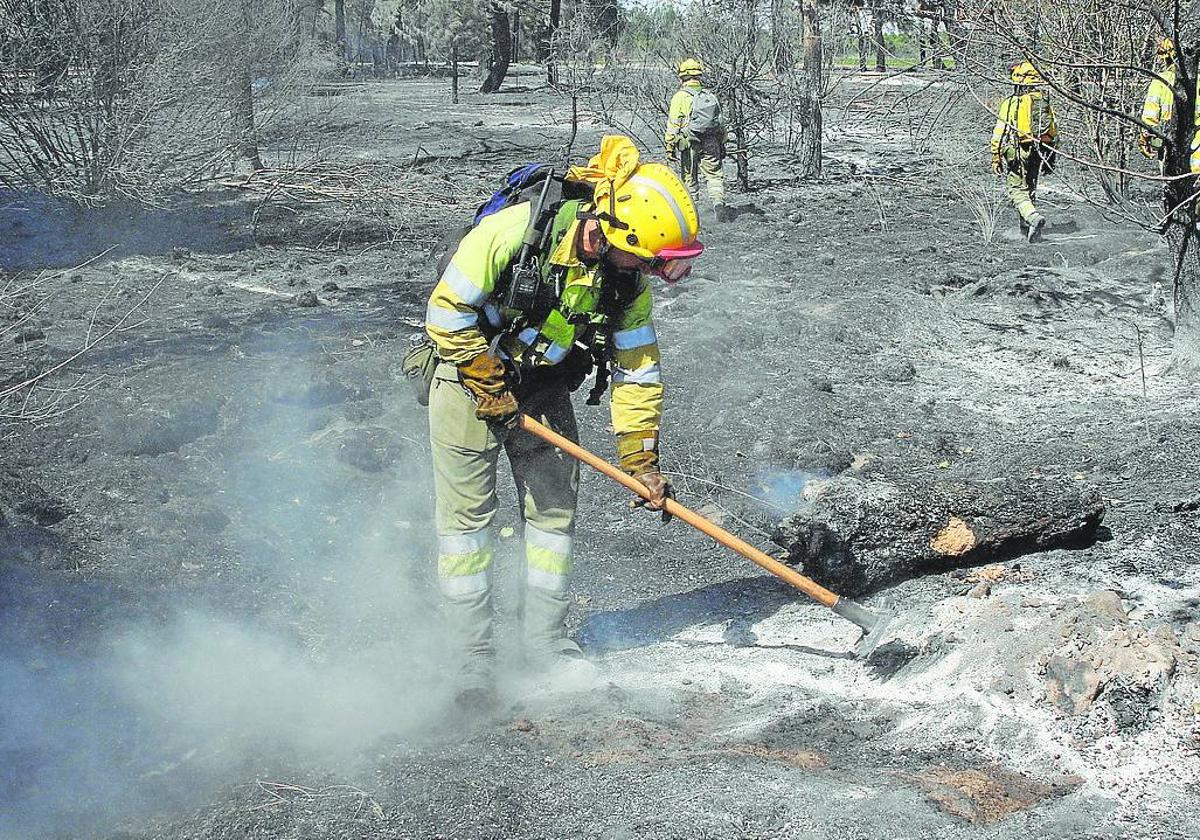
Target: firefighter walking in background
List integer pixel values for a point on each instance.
(1159, 109)
(1023, 144)
(515, 329)
(1159, 106)
(695, 136)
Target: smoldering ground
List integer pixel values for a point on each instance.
(173, 709)
(204, 476)
(308, 633)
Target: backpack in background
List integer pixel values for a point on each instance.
(706, 113)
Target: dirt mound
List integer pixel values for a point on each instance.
(985, 794)
(149, 431)
(1069, 678)
(1106, 659)
(1046, 290)
(28, 514)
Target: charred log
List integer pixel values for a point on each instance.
(859, 536)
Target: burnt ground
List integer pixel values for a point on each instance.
(216, 595)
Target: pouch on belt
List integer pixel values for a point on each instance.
(418, 366)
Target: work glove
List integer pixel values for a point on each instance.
(1144, 145)
(660, 488)
(672, 154)
(638, 453)
(997, 165)
(487, 380)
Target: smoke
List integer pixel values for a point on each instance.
(220, 687)
(170, 711)
(317, 641)
(784, 490)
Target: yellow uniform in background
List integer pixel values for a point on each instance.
(1022, 144)
(1157, 112)
(1194, 164)
(699, 156)
(1159, 108)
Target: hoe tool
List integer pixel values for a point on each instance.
(872, 624)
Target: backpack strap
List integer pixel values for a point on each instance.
(529, 283)
(565, 214)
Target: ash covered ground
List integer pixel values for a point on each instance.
(216, 585)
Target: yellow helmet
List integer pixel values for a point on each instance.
(690, 68)
(1024, 73)
(1166, 50)
(649, 215)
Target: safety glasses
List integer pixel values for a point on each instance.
(671, 271)
(674, 264)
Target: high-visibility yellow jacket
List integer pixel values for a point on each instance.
(1159, 107)
(1022, 119)
(1160, 101)
(678, 115)
(463, 314)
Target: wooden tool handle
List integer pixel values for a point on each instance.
(784, 572)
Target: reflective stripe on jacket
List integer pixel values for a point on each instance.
(1160, 100)
(1027, 117)
(463, 312)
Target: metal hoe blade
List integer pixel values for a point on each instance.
(874, 625)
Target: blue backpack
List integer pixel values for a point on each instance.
(514, 189)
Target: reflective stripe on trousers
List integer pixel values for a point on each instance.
(465, 563)
(465, 453)
(1022, 181)
(703, 159)
(547, 558)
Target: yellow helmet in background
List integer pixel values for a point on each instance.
(1166, 51)
(1025, 74)
(691, 68)
(650, 215)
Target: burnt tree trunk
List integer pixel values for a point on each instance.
(808, 149)
(1180, 214)
(781, 52)
(858, 536)
(940, 19)
(570, 148)
(551, 34)
(954, 30)
(244, 118)
(243, 93)
(1185, 256)
(339, 30)
(927, 34)
(608, 20)
(500, 52)
(737, 126)
(922, 38)
(107, 86)
(858, 29)
(877, 35)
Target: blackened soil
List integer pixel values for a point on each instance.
(216, 531)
